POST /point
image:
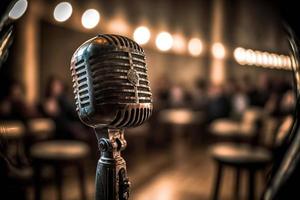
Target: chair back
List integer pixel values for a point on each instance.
(250, 118)
(283, 130)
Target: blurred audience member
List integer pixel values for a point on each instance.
(239, 101)
(219, 103)
(178, 97)
(200, 98)
(57, 106)
(14, 105)
(260, 95)
(163, 92)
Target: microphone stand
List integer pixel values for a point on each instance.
(112, 182)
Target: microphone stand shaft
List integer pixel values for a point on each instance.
(111, 176)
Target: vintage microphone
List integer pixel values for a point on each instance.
(112, 93)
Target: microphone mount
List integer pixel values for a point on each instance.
(112, 182)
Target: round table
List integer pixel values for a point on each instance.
(58, 154)
(179, 119)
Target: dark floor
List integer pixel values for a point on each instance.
(159, 177)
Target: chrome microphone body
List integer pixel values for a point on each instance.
(112, 92)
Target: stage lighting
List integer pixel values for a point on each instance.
(179, 44)
(240, 55)
(18, 9)
(259, 58)
(90, 18)
(250, 57)
(142, 35)
(62, 11)
(195, 46)
(218, 50)
(164, 41)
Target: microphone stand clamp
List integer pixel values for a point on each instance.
(112, 182)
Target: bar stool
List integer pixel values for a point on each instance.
(240, 157)
(13, 133)
(178, 120)
(59, 154)
(245, 157)
(40, 128)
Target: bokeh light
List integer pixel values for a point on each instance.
(179, 43)
(118, 25)
(195, 46)
(164, 41)
(62, 11)
(264, 59)
(218, 50)
(142, 35)
(90, 18)
(18, 9)
(240, 55)
(250, 57)
(259, 58)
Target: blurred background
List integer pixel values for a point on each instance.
(220, 73)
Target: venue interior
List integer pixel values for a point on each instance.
(220, 73)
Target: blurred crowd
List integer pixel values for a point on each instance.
(273, 94)
(55, 104)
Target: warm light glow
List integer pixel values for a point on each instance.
(265, 59)
(270, 60)
(162, 189)
(287, 62)
(281, 59)
(18, 9)
(240, 55)
(179, 44)
(250, 57)
(218, 72)
(275, 60)
(62, 11)
(119, 26)
(195, 46)
(142, 35)
(259, 58)
(218, 50)
(90, 18)
(164, 41)
(290, 62)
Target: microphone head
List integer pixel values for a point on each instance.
(110, 82)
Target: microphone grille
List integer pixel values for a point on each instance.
(110, 81)
(120, 75)
(121, 41)
(80, 85)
